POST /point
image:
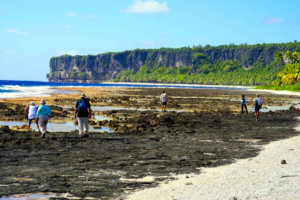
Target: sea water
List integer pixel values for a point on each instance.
(19, 89)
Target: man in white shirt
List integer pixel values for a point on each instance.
(164, 99)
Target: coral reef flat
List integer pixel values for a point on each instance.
(201, 128)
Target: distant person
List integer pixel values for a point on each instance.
(243, 104)
(257, 106)
(164, 100)
(32, 111)
(83, 112)
(42, 116)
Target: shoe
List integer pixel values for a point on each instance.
(81, 135)
(86, 135)
(43, 135)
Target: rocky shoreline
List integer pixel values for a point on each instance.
(146, 143)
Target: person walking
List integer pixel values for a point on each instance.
(32, 111)
(164, 100)
(42, 116)
(83, 112)
(243, 104)
(257, 106)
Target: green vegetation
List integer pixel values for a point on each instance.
(259, 64)
(288, 78)
(262, 63)
(229, 72)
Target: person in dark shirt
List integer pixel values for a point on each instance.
(243, 104)
(83, 112)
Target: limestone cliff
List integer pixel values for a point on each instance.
(95, 68)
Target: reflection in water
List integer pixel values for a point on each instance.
(27, 197)
(276, 108)
(39, 196)
(56, 127)
(101, 118)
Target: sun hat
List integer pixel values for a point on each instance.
(43, 101)
(83, 95)
(32, 103)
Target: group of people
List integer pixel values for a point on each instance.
(257, 105)
(83, 112)
(42, 113)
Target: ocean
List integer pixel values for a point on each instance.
(18, 89)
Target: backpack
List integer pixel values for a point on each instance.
(82, 108)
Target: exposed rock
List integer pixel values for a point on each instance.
(4, 129)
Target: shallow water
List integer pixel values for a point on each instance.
(109, 108)
(101, 118)
(277, 108)
(56, 127)
(27, 197)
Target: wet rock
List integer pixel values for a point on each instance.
(23, 128)
(293, 108)
(92, 122)
(4, 129)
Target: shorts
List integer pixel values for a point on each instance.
(30, 120)
(164, 103)
(257, 108)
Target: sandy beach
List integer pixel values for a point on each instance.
(261, 177)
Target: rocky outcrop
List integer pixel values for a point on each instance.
(95, 68)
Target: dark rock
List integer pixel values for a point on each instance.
(5, 129)
(283, 162)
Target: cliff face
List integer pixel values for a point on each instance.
(93, 68)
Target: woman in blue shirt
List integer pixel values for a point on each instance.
(42, 115)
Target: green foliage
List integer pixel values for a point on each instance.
(290, 73)
(295, 87)
(229, 72)
(81, 75)
(71, 74)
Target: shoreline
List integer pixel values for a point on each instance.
(260, 177)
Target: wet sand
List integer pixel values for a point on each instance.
(147, 147)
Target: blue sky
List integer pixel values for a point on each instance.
(32, 31)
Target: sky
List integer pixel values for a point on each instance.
(33, 31)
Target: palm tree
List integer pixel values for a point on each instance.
(279, 57)
(288, 55)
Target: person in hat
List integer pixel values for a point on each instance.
(83, 113)
(163, 98)
(42, 116)
(32, 110)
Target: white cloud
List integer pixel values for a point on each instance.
(91, 16)
(17, 32)
(148, 6)
(72, 14)
(69, 52)
(273, 20)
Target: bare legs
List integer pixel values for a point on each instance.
(256, 115)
